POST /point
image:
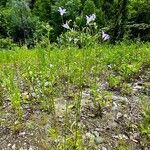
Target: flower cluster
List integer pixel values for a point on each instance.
(89, 19)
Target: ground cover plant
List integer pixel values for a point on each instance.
(95, 97)
(74, 75)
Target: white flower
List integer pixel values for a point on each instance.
(66, 25)
(46, 84)
(105, 36)
(62, 11)
(93, 17)
(90, 18)
(51, 65)
(70, 39)
(76, 40)
(109, 66)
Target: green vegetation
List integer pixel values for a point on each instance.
(74, 74)
(26, 21)
(53, 81)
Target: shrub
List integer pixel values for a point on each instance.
(78, 39)
(5, 22)
(6, 43)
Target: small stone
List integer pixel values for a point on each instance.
(97, 129)
(115, 107)
(14, 147)
(119, 115)
(136, 136)
(119, 98)
(122, 136)
(30, 148)
(89, 135)
(137, 88)
(9, 145)
(98, 140)
(96, 133)
(22, 133)
(16, 122)
(114, 124)
(125, 116)
(105, 85)
(103, 148)
(25, 93)
(33, 94)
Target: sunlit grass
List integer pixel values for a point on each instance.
(40, 75)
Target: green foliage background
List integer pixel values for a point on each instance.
(24, 21)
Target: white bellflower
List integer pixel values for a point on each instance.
(105, 36)
(66, 25)
(62, 11)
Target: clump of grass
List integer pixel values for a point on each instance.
(11, 84)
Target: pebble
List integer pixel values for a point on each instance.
(33, 94)
(103, 148)
(105, 85)
(97, 129)
(22, 133)
(136, 136)
(115, 107)
(95, 133)
(89, 135)
(119, 98)
(120, 136)
(14, 147)
(119, 115)
(98, 140)
(30, 148)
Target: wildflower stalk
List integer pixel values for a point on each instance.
(78, 104)
(67, 63)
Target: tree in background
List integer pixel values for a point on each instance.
(89, 8)
(139, 19)
(23, 24)
(3, 3)
(22, 19)
(42, 9)
(109, 8)
(120, 21)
